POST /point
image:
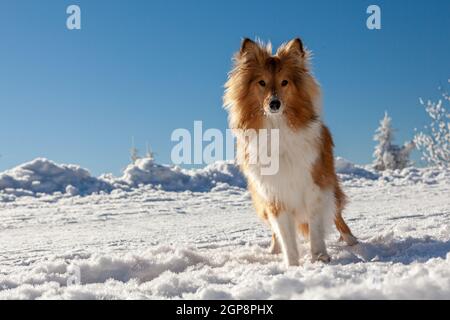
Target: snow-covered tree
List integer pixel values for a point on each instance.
(134, 152)
(388, 155)
(434, 143)
(150, 154)
(384, 137)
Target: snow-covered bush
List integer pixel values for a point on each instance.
(434, 142)
(388, 155)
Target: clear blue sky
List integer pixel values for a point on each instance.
(144, 68)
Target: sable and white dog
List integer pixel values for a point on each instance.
(266, 91)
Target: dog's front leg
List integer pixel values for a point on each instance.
(317, 239)
(283, 225)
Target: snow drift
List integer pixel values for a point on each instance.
(43, 177)
(172, 178)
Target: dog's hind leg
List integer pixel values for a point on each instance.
(303, 228)
(275, 247)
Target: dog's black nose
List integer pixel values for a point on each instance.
(275, 105)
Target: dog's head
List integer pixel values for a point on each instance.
(264, 85)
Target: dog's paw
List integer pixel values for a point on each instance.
(349, 239)
(321, 257)
(291, 263)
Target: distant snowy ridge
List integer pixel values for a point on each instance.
(42, 177)
(348, 170)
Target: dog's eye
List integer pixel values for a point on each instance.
(284, 83)
(262, 83)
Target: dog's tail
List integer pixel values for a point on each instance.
(341, 226)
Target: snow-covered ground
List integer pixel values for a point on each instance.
(160, 232)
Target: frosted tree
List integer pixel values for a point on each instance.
(134, 152)
(434, 141)
(150, 154)
(388, 155)
(384, 137)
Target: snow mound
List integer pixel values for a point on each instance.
(42, 176)
(413, 175)
(173, 178)
(355, 175)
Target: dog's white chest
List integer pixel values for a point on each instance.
(292, 184)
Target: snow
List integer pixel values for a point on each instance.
(42, 176)
(350, 171)
(170, 233)
(173, 178)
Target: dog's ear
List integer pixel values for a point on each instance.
(294, 46)
(248, 45)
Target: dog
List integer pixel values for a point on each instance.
(278, 91)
